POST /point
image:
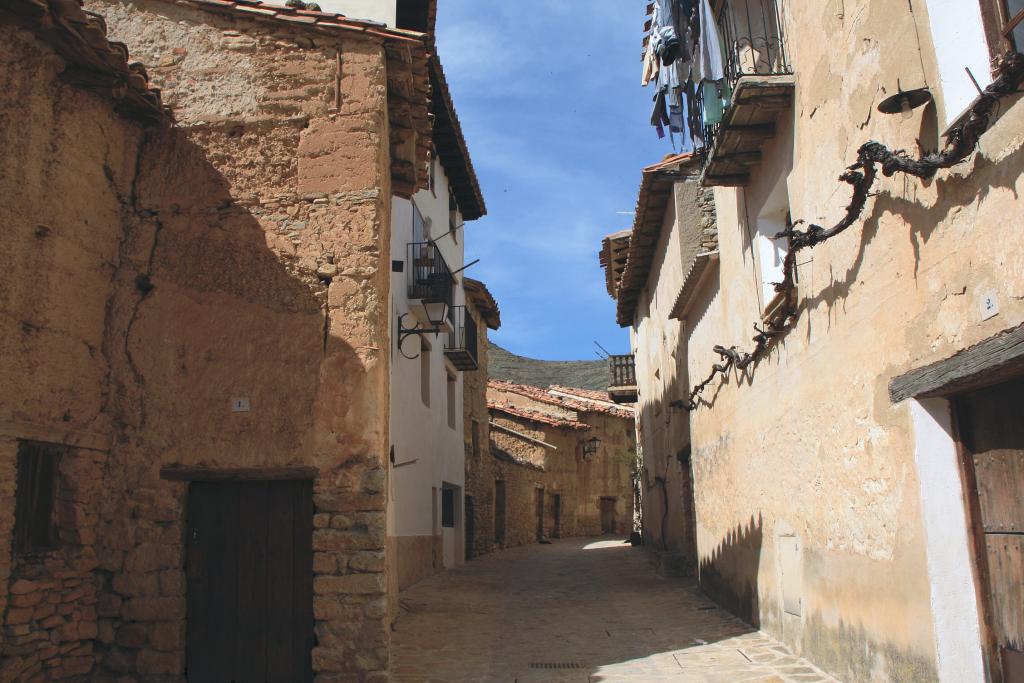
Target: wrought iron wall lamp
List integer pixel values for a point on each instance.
(436, 312)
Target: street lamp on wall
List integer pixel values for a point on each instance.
(590, 447)
(436, 313)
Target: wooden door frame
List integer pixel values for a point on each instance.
(976, 534)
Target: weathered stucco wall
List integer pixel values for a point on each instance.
(234, 255)
(809, 446)
(659, 346)
(68, 161)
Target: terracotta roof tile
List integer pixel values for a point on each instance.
(328, 20)
(656, 190)
(537, 416)
(96, 63)
(483, 302)
(584, 404)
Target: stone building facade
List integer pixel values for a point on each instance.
(563, 458)
(195, 346)
(479, 496)
(851, 454)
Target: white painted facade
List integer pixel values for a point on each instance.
(428, 447)
(955, 612)
(371, 10)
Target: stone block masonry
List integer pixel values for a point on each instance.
(233, 258)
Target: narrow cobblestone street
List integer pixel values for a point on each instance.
(584, 610)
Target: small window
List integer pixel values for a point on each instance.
(475, 427)
(425, 371)
(1014, 27)
(35, 527)
(451, 400)
(448, 508)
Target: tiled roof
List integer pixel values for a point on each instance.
(327, 21)
(421, 15)
(581, 405)
(612, 257)
(605, 403)
(94, 62)
(656, 190)
(537, 416)
(451, 146)
(483, 302)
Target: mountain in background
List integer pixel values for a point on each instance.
(580, 374)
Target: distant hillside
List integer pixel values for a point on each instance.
(581, 374)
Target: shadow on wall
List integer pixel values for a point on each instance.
(729, 574)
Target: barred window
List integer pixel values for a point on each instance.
(35, 528)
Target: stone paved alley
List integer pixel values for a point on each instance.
(583, 610)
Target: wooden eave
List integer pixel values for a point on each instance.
(749, 122)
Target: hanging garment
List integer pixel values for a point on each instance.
(708, 60)
(664, 24)
(651, 65)
(693, 117)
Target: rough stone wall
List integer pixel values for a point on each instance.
(563, 471)
(480, 466)
(67, 162)
(659, 343)
(810, 445)
(235, 255)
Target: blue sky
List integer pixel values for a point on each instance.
(549, 97)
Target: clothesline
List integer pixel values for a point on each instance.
(684, 56)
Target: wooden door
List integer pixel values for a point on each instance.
(499, 513)
(607, 515)
(540, 514)
(470, 528)
(991, 427)
(250, 582)
(556, 532)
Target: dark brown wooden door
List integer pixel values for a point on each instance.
(556, 531)
(499, 513)
(607, 515)
(991, 424)
(540, 514)
(250, 582)
(470, 528)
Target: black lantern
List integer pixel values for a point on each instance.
(590, 446)
(436, 313)
(905, 101)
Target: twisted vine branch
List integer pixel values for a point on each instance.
(961, 142)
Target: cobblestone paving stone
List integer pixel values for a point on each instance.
(578, 611)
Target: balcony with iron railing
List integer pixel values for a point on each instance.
(740, 113)
(622, 379)
(430, 278)
(461, 348)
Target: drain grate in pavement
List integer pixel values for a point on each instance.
(555, 665)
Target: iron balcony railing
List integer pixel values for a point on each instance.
(461, 348)
(430, 279)
(754, 44)
(623, 371)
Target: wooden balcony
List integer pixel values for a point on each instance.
(758, 87)
(622, 380)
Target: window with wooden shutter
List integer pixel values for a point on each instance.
(35, 525)
(448, 508)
